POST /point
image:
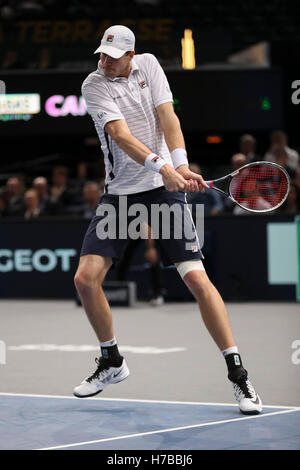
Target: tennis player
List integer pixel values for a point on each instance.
(130, 101)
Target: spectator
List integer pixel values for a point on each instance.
(297, 179)
(291, 204)
(281, 158)
(75, 189)
(250, 190)
(14, 197)
(296, 183)
(31, 201)
(59, 181)
(248, 148)
(82, 172)
(40, 185)
(280, 138)
(212, 200)
(237, 161)
(22, 179)
(46, 205)
(81, 177)
(60, 194)
(152, 256)
(91, 195)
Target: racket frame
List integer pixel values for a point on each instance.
(230, 177)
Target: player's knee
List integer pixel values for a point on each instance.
(83, 280)
(91, 274)
(194, 276)
(78, 281)
(198, 283)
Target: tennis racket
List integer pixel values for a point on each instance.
(256, 187)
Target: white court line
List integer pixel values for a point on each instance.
(137, 400)
(129, 436)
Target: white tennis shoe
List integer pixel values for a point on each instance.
(244, 393)
(157, 301)
(104, 375)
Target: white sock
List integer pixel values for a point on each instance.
(231, 350)
(111, 342)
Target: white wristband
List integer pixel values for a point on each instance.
(154, 162)
(179, 157)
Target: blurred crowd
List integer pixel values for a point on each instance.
(279, 152)
(61, 195)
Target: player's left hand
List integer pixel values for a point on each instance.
(151, 255)
(195, 181)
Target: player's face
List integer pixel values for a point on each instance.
(116, 67)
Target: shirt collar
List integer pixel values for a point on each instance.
(135, 66)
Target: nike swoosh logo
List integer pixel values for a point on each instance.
(256, 402)
(111, 376)
(116, 375)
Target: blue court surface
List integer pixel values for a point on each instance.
(51, 422)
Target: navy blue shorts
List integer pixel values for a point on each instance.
(172, 248)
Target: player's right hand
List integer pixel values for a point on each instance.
(173, 181)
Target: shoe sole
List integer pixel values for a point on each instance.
(254, 412)
(86, 396)
(97, 393)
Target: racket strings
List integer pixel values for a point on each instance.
(259, 187)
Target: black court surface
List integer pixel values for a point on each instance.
(177, 395)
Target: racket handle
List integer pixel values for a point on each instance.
(209, 183)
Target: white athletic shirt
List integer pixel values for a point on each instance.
(134, 99)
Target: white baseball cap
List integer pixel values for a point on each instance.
(116, 41)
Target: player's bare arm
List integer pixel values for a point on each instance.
(175, 140)
(120, 133)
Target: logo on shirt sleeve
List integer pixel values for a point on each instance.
(110, 38)
(101, 115)
(143, 84)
